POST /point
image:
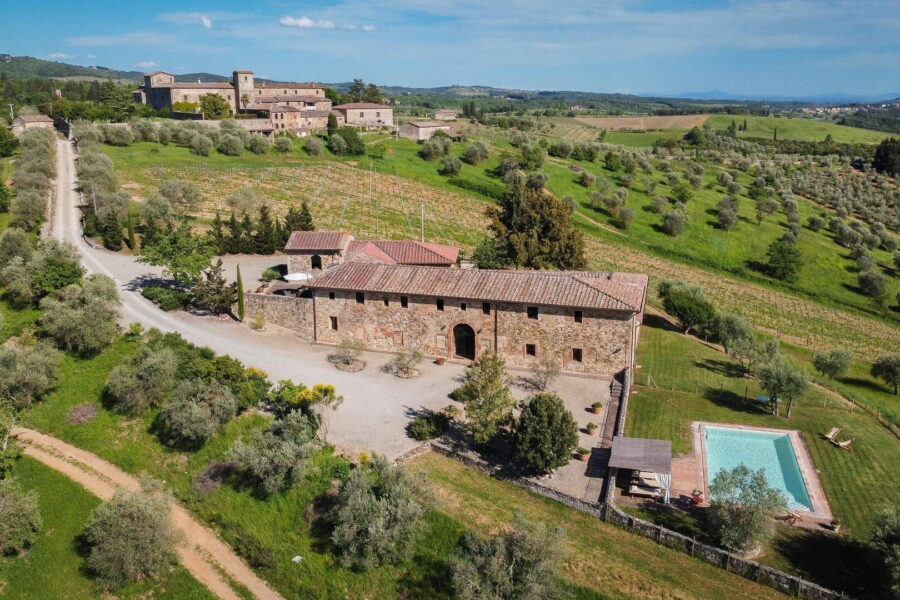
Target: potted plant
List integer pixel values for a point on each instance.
(592, 428)
(597, 407)
(439, 360)
(583, 454)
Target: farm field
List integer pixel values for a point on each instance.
(642, 122)
(384, 198)
(270, 531)
(694, 382)
(796, 129)
(53, 567)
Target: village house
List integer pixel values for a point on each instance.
(24, 123)
(393, 297)
(422, 130)
(366, 114)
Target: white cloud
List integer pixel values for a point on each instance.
(305, 22)
(206, 22)
(146, 64)
(90, 56)
(205, 19)
(60, 56)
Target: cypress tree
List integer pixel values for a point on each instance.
(240, 294)
(305, 220)
(218, 235)
(264, 239)
(247, 241)
(234, 235)
(132, 238)
(4, 198)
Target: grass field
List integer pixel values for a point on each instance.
(796, 129)
(695, 382)
(53, 567)
(284, 526)
(682, 122)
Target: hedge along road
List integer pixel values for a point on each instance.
(200, 549)
(376, 405)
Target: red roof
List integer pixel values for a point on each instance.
(623, 292)
(403, 252)
(318, 240)
(352, 105)
(290, 98)
(35, 119)
(275, 84)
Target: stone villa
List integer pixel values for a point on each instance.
(291, 107)
(396, 295)
(24, 123)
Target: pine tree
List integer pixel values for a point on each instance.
(281, 235)
(212, 291)
(240, 294)
(234, 235)
(264, 239)
(4, 198)
(247, 241)
(218, 235)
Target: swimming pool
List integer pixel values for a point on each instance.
(773, 452)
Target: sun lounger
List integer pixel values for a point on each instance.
(845, 445)
(790, 518)
(832, 433)
(640, 490)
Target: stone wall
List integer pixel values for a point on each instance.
(383, 323)
(286, 311)
(301, 262)
(369, 117)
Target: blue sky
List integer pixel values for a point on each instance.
(794, 47)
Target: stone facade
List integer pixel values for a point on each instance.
(300, 261)
(604, 338)
(421, 130)
(366, 114)
(290, 312)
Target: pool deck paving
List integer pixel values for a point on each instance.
(689, 472)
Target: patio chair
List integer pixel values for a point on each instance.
(845, 445)
(832, 433)
(790, 518)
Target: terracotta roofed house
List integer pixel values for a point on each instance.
(422, 130)
(313, 250)
(366, 114)
(24, 123)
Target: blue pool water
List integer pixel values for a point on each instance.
(727, 447)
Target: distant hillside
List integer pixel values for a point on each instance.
(24, 67)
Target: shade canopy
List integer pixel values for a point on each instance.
(641, 454)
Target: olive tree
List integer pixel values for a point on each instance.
(520, 563)
(687, 303)
(27, 373)
(143, 380)
(832, 364)
(887, 369)
(377, 515)
(20, 517)
(131, 536)
(783, 381)
(82, 317)
(885, 542)
(195, 411)
(741, 508)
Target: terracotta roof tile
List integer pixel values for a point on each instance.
(286, 85)
(352, 105)
(404, 252)
(579, 289)
(35, 119)
(318, 240)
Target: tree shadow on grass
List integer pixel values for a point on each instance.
(730, 400)
(728, 368)
(835, 562)
(430, 578)
(864, 383)
(660, 322)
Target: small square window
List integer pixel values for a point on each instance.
(532, 312)
(404, 301)
(486, 308)
(378, 114)
(440, 303)
(334, 323)
(576, 354)
(360, 298)
(361, 115)
(530, 349)
(387, 302)
(462, 306)
(579, 316)
(331, 295)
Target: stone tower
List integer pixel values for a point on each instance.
(244, 89)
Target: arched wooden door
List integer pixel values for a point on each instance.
(464, 341)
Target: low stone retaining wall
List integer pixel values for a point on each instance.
(286, 311)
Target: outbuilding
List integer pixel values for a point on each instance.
(24, 123)
(422, 130)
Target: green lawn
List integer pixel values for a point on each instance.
(696, 382)
(53, 567)
(796, 129)
(602, 556)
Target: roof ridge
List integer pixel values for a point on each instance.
(586, 281)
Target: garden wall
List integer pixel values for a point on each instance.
(287, 311)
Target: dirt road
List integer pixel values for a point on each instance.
(201, 551)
